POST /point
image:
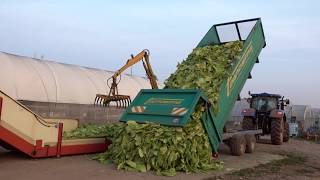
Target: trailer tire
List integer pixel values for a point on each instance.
(277, 131)
(237, 145)
(247, 123)
(250, 143)
(286, 132)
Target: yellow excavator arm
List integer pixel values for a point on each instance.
(144, 57)
(124, 100)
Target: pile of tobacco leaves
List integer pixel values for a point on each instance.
(163, 149)
(166, 150)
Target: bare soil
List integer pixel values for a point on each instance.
(301, 161)
(297, 159)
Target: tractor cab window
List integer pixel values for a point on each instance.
(264, 103)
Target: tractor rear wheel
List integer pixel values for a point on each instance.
(250, 143)
(237, 145)
(277, 131)
(247, 123)
(286, 132)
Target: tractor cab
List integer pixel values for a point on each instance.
(265, 102)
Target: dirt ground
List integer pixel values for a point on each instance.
(301, 162)
(297, 159)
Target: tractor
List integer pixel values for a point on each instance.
(266, 112)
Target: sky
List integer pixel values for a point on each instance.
(103, 34)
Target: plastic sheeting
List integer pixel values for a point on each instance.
(25, 78)
(301, 112)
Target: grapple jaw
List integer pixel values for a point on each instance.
(122, 101)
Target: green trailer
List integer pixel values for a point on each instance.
(173, 107)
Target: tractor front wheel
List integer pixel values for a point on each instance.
(277, 127)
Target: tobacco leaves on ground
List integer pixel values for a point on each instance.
(166, 150)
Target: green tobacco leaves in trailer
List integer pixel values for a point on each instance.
(206, 68)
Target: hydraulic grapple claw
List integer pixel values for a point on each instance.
(121, 101)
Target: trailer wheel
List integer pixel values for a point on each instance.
(277, 131)
(286, 132)
(237, 145)
(250, 143)
(247, 123)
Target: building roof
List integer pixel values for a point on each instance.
(26, 78)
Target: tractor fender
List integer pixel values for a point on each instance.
(250, 112)
(276, 113)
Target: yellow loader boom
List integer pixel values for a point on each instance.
(125, 100)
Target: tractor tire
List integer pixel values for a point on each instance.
(237, 145)
(277, 131)
(247, 123)
(250, 143)
(286, 132)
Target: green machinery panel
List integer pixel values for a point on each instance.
(174, 107)
(171, 107)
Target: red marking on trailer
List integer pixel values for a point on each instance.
(179, 111)
(138, 109)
